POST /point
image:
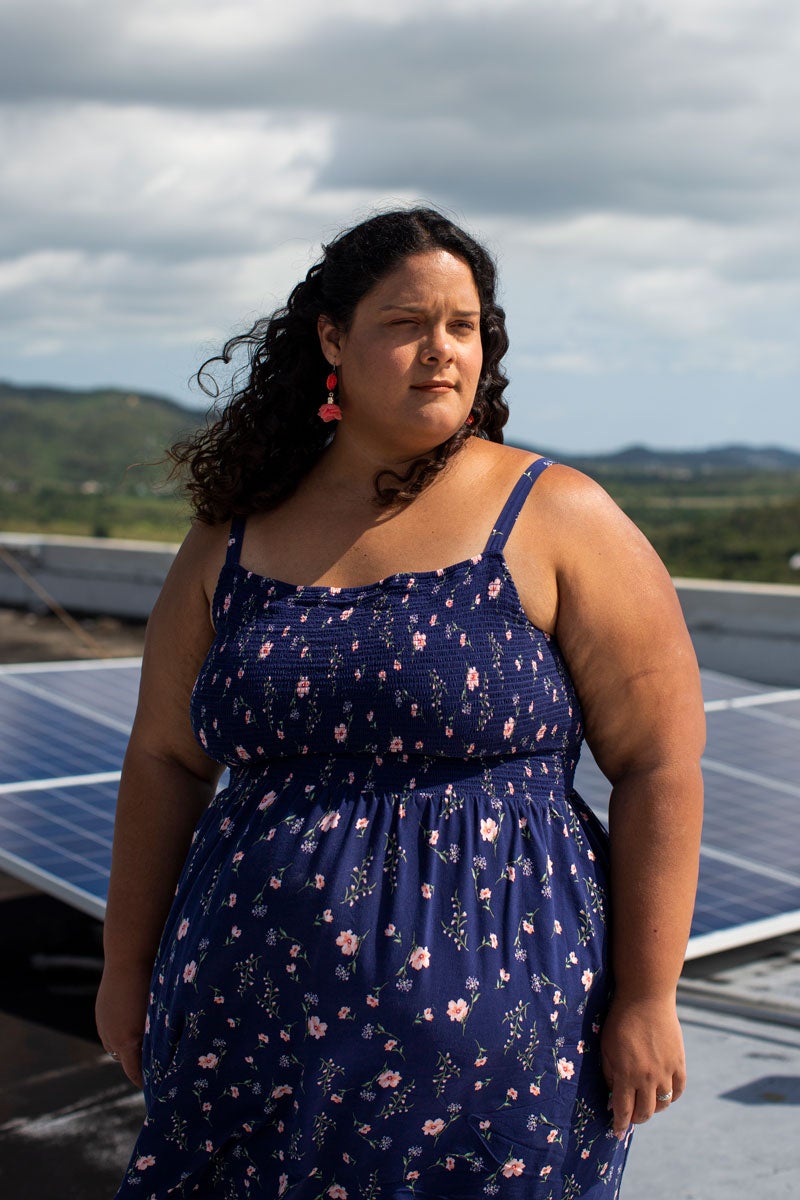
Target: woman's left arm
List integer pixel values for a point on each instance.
(622, 633)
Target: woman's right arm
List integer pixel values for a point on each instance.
(166, 784)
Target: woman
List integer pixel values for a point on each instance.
(390, 968)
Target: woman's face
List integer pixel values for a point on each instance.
(410, 363)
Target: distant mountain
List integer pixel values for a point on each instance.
(81, 439)
(105, 438)
(643, 459)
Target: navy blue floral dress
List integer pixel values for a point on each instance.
(385, 972)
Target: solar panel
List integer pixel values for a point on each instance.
(66, 725)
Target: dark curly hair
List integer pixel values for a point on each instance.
(253, 453)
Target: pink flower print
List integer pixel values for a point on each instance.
(584, 1153)
(283, 1183)
(545, 1171)
(457, 1010)
(238, 856)
(235, 931)
(183, 928)
(319, 881)
(534, 1089)
(390, 930)
(426, 890)
(354, 646)
(504, 975)
(144, 1161)
(462, 640)
(336, 1098)
(478, 598)
(418, 745)
(232, 900)
(390, 1045)
(327, 915)
(344, 1012)
(514, 1166)
(340, 732)
(294, 950)
(448, 602)
(226, 603)
(419, 640)
(427, 1014)
(481, 1062)
(265, 801)
(512, 1093)
(473, 678)
(566, 1069)
(508, 727)
(203, 739)
(242, 754)
(572, 958)
(552, 1135)
(303, 686)
(329, 821)
(493, 940)
(389, 1079)
(398, 666)
(346, 614)
(362, 822)
(494, 589)
(412, 1175)
(396, 745)
(433, 620)
(433, 1127)
(283, 1089)
(317, 1028)
(419, 958)
(540, 732)
(348, 941)
(448, 732)
(581, 1046)
(291, 968)
(485, 894)
(189, 971)
(209, 1146)
(207, 1061)
(265, 649)
(489, 829)
(511, 872)
(449, 1163)
(586, 979)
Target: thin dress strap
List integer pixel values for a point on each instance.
(513, 505)
(235, 538)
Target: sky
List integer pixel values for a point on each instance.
(171, 169)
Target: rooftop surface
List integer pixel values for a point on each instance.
(68, 1117)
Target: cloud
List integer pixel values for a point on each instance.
(171, 169)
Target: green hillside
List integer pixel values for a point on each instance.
(87, 463)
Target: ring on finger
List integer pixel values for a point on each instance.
(664, 1097)
(113, 1054)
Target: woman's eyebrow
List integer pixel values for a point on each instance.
(421, 308)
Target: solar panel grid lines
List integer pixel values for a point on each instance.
(66, 727)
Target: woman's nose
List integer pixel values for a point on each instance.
(437, 346)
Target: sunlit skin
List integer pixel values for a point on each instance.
(408, 366)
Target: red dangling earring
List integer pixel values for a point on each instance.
(470, 420)
(330, 411)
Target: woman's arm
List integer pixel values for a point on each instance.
(622, 634)
(166, 784)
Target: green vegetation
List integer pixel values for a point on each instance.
(732, 525)
(87, 463)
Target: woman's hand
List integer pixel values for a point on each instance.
(120, 1012)
(643, 1058)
